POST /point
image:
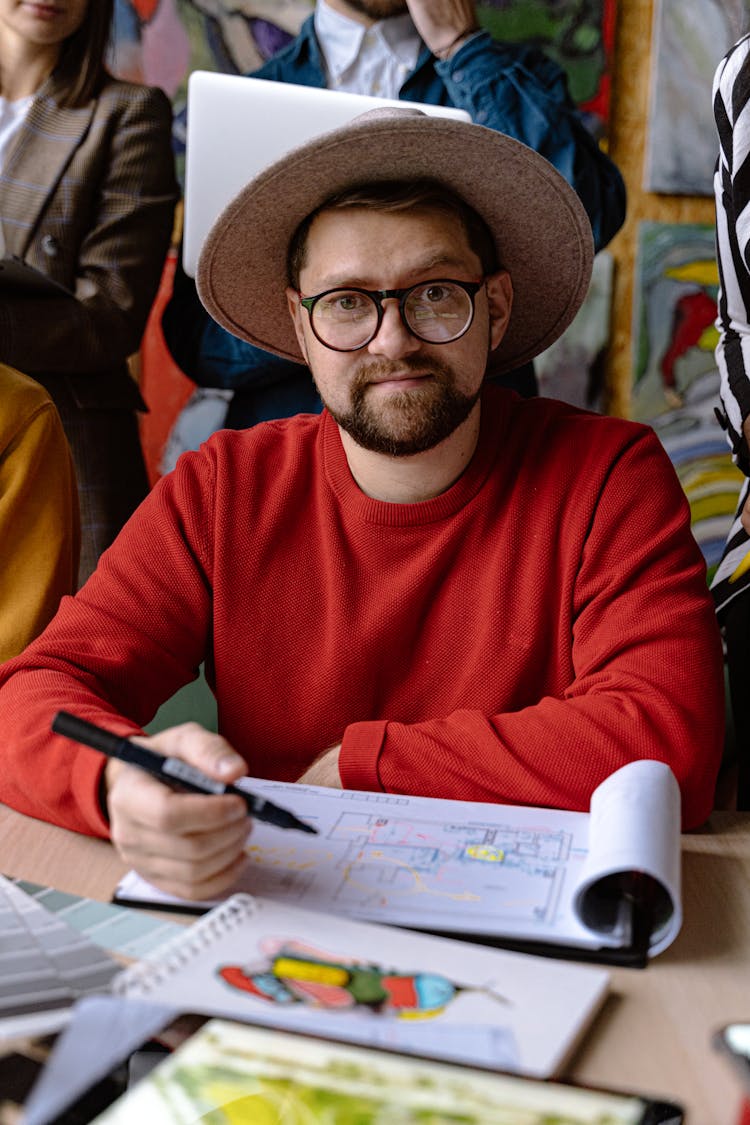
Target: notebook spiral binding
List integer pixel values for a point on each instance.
(176, 953)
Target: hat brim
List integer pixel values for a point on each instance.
(541, 230)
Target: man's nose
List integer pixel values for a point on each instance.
(393, 338)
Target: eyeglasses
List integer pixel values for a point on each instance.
(437, 311)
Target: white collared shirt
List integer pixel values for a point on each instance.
(366, 60)
(12, 116)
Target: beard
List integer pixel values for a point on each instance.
(407, 422)
(379, 9)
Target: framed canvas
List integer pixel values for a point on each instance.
(688, 42)
(675, 378)
(578, 35)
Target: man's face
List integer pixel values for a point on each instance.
(397, 395)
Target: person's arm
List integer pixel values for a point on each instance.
(731, 93)
(39, 522)
(207, 353)
(120, 256)
(520, 91)
(125, 644)
(647, 682)
(134, 635)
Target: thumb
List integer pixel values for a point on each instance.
(204, 749)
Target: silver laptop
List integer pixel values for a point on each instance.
(237, 126)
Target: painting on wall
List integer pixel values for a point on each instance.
(160, 42)
(689, 41)
(578, 34)
(675, 380)
(572, 369)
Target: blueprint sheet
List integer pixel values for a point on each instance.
(487, 870)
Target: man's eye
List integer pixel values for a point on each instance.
(435, 293)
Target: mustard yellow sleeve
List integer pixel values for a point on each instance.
(39, 518)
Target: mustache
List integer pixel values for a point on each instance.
(368, 371)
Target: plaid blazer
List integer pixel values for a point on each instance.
(87, 196)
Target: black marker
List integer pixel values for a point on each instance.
(172, 771)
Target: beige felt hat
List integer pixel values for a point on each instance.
(541, 229)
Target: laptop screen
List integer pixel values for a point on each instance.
(237, 126)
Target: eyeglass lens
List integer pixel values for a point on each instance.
(436, 311)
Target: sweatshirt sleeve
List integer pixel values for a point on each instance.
(132, 636)
(647, 674)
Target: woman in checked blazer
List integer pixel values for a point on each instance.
(87, 195)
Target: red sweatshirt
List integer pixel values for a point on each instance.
(515, 639)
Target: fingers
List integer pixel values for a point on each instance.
(201, 748)
(187, 844)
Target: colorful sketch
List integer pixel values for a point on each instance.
(676, 382)
(295, 973)
(688, 44)
(578, 34)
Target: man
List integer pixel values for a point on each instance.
(418, 51)
(430, 588)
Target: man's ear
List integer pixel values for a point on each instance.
(500, 299)
(296, 313)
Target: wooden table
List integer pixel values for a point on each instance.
(654, 1032)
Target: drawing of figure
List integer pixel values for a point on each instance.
(298, 974)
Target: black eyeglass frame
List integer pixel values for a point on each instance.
(377, 296)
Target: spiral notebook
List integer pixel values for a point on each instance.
(282, 966)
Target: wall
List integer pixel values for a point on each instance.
(628, 133)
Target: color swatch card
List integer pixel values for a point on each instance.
(45, 965)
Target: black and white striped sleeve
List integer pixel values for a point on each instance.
(731, 102)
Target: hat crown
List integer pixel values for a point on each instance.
(392, 113)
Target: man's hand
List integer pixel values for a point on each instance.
(187, 844)
(324, 770)
(442, 22)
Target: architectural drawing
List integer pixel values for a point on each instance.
(377, 862)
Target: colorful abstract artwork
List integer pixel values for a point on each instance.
(675, 378)
(689, 41)
(160, 42)
(578, 34)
